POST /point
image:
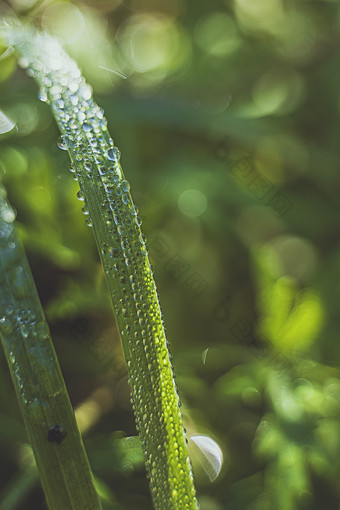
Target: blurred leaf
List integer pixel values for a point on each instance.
(106, 495)
(290, 319)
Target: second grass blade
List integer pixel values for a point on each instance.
(49, 419)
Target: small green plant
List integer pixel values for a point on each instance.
(109, 209)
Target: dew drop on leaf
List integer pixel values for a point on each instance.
(62, 142)
(60, 103)
(80, 195)
(113, 154)
(23, 62)
(125, 198)
(42, 95)
(7, 213)
(74, 99)
(125, 186)
(85, 91)
(6, 326)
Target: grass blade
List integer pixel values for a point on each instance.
(49, 419)
(109, 208)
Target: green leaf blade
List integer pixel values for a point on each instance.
(109, 208)
(62, 463)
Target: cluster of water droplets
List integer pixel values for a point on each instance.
(107, 205)
(23, 329)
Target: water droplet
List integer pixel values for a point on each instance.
(6, 326)
(87, 127)
(7, 213)
(98, 158)
(113, 154)
(119, 191)
(80, 195)
(74, 99)
(24, 330)
(60, 103)
(42, 95)
(125, 186)
(210, 455)
(85, 91)
(56, 89)
(11, 357)
(125, 198)
(23, 62)
(100, 113)
(63, 142)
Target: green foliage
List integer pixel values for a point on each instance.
(290, 319)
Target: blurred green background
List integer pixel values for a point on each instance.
(227, 117)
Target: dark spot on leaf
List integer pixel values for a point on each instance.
(56, 434)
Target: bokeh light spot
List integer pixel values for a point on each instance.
(217, 34)
(64, 20)
(153, 46)
(192, 203)
(259, 14)
(277, 91)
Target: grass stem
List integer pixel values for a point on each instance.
(40, 389)
(109, 208)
